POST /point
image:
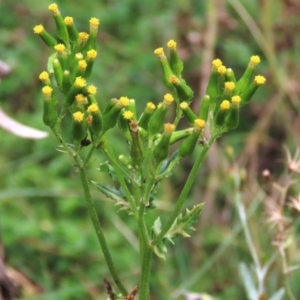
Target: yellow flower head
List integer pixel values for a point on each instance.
(259, 80)
(168, 99)
(184, 105)
(236, 100)
(69, 21)
(172, 45)
(174, 80)
(79, 99)
(222, 70)
(92, 89)
(229, 86)
(44, 76)
(127, 115)
(94, 24)
(47, 90)
(159, 52)
(93, 108)
(225, 105)
(169, 128)
(53, 8)
(80, 82)
(60, 48)
(83, 36)
(38, 29)
(199, 123)
(79, 56)
(254, 60)
(82, 64)
(124, 101)
(150, 107)
(216, 63)
(78, 116)
(91, 54)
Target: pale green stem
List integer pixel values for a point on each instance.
(243, 219)
(184, 193)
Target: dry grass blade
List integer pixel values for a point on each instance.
(132, 295)
(109, 289)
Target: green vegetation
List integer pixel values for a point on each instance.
(45, 226)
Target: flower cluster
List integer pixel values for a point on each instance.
(224, 94)
(70, 66)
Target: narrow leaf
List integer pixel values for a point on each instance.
(107, 168)
(184, 223)
(248, 282)
(112, 193)
(278, 295)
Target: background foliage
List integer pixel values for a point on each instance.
(48, 238)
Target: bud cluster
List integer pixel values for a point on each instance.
(227, 94)
(69, 68)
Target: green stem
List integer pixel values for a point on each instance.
(178, 110)
(120, 175)
(98, 227)
(94, 147)
(146, 255)
(144, 292)
(89, 155)
(184, 192)
(148, 177)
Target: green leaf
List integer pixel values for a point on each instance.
(62, 149)
(184, 223)
(107, 168)
(157, 226)
(160, 249)
(166, 163)
(114, 194)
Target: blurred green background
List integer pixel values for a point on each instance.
(50, 246)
